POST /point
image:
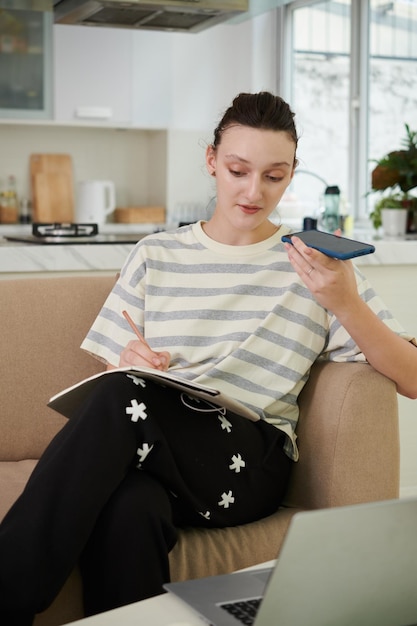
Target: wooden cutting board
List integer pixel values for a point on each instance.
(52, 187)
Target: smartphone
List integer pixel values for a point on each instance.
(332, 245)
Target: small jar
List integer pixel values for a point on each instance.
(25, 213)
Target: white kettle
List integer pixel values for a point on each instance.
(96, 199)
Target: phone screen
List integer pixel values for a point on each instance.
(332, 245)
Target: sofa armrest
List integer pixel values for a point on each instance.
(348, 437)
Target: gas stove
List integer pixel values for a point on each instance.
(69, 233)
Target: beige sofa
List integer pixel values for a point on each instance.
(348, 430)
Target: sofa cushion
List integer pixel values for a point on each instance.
(41, 354)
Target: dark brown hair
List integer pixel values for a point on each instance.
(258, 110)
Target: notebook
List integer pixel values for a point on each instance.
(346, 566)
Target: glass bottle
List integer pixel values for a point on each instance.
(10, 209)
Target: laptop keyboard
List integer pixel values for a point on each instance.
(244, 610)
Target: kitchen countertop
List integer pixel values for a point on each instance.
(389, 251)
(17, 257)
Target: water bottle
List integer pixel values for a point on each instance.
(331, 220)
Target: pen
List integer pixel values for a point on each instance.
(157, 361)
(134, 328)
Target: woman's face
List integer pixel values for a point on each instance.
(252, 168)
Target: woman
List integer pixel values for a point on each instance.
(226, 304)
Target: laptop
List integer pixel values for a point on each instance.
(346, 566)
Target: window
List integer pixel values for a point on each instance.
(349, 69)
(392, 75)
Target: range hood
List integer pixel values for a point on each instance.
(171, 15)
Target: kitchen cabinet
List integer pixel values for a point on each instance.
(113, 77)
(25, 64)
(124, 78)
(152, 80)
(152, 63)
(93, 75)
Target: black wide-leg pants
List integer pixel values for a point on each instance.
(136, 462)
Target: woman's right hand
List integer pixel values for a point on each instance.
(141, 354)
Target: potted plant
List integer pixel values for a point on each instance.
(395, 175)
(390, 213)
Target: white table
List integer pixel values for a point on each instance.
(163, 610)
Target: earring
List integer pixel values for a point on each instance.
(213, 173)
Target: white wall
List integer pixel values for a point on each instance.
(126, 157)
(396, 286)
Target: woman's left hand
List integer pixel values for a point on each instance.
(331, 281)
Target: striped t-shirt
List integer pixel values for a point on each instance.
(236, 318)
